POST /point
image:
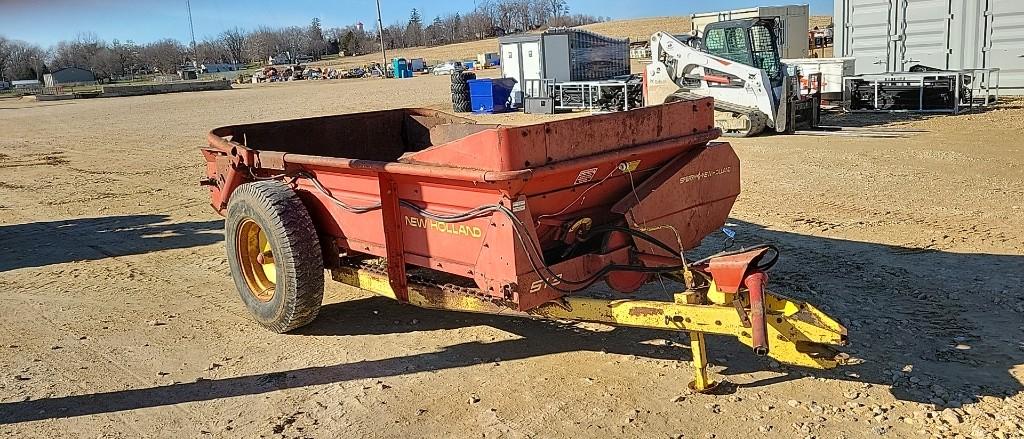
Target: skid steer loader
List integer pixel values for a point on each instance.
(737, 63)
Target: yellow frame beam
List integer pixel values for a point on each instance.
(798, 333)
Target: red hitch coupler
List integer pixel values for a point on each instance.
(758, 328)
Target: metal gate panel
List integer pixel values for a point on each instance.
(923, 34)
(867, 34)
(1004, 46)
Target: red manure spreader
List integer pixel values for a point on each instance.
(441, 212)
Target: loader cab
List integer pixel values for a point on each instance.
(753, 42)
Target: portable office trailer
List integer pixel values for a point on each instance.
(562, 55)
(793, 24)
(894, 35)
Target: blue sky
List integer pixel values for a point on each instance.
(45, 22)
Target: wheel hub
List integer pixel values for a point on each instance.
(256, 259)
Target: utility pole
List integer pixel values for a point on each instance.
(192, 31)
(383, 54)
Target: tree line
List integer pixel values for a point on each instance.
(120, 59)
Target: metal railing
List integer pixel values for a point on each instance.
(944, 91)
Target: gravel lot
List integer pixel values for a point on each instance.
(120, 319)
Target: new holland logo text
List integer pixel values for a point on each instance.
(438, 226)
(704, 174)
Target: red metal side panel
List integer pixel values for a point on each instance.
(451, 247)
(513, 148)
(687, 200)
(687, 117)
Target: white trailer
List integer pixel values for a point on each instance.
(793, 24)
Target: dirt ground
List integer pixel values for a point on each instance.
(120, 319)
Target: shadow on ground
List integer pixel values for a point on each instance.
(905, 308)
(45, 243)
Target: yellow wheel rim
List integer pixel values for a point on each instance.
(256, 259)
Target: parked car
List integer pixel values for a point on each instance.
(448, 68)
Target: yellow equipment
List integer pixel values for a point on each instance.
(799, 333)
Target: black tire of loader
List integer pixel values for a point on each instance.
(299, 287)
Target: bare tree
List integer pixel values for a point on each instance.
(5, 58)
(212, 51)
(126, 55)
(80, 52)
(233, 41)
(23, 60)
(165, 56)
(556, 7)
(261, 44)
(477, 25)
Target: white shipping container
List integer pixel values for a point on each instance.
(793, 25)
(886, 36)
(832, 72)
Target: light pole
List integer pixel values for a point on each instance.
(192, 31)
(383, 54)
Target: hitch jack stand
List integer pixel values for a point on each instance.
(701, 382)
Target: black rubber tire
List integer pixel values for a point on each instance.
(461, 106)
(299, 287)
(462, 77)
(460, 88)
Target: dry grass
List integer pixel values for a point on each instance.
(640, 28)
(822, 21)
(634, 29)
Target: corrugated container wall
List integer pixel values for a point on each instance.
(895, 35)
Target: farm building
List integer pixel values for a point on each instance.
(68, 75)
